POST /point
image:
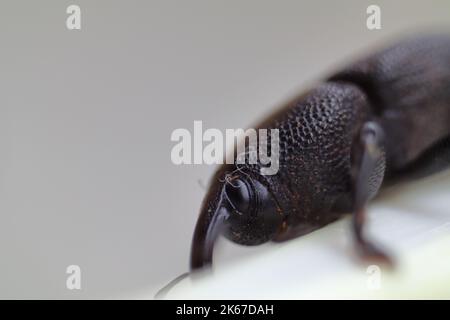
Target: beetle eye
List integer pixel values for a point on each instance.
(238, 194)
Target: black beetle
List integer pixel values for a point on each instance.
(380, 120)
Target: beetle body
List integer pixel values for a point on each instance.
(379, 120)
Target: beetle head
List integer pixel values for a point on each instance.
(240, 207)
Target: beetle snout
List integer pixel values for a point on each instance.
(209, 226)
(243, 210)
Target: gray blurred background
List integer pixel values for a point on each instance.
(86, 118)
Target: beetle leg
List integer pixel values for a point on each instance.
(367, 181)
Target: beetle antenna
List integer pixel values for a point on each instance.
(162, 293)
